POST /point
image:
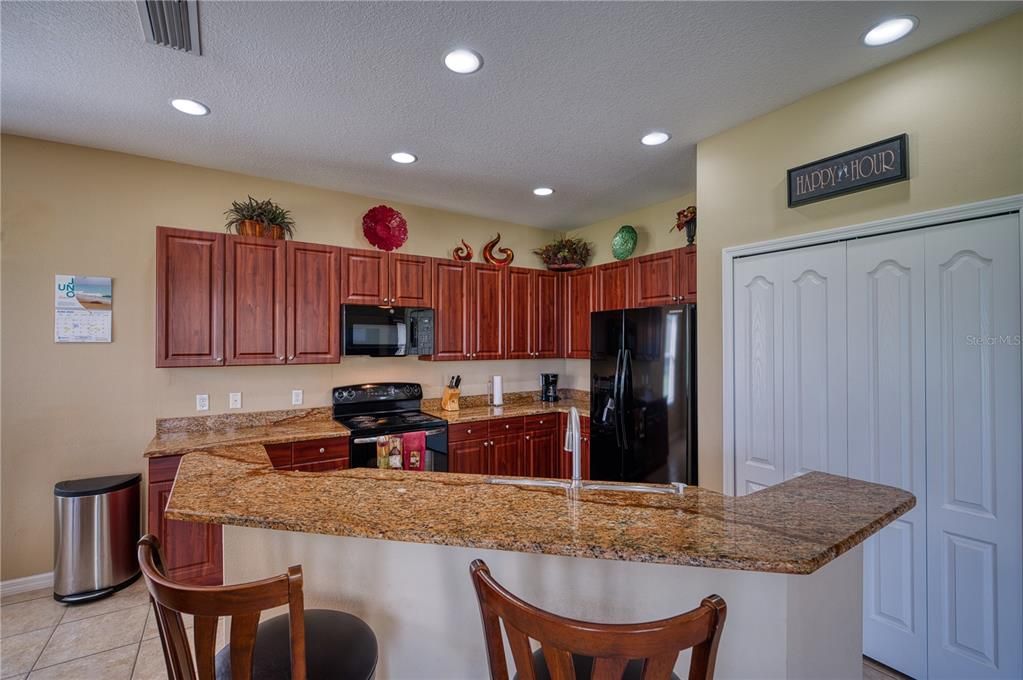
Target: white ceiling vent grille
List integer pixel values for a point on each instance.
(171, 23)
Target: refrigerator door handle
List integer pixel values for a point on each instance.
(626, 363)
(616, 397)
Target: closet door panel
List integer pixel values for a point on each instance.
(887, 438)
(815, 360)
(758, 378)
(975, 607)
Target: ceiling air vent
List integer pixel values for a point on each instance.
(171, 23)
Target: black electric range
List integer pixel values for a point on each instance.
(379, 409)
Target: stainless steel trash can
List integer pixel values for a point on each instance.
(95, 529)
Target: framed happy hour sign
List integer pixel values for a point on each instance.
(866, 167)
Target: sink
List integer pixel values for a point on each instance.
(674, 489)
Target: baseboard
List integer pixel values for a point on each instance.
(26, 583)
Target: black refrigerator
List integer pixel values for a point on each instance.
(643, 395)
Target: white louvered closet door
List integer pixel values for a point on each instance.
(758, 381)
(974, 415)
(887, 437)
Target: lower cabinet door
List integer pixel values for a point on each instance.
(468, 457)
(192, 552)
(322, 466)
(543, 453)
(506, 456)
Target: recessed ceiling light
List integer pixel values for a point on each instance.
(190, 106)
(402, 157)
(543, 191)
(463, 61)
(655, 138)
(890, 30)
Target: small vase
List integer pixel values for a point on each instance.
(250, 228)
(690, 232)
(275, 232)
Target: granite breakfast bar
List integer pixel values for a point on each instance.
(394, 547)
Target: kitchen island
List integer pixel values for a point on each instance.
(394, 547)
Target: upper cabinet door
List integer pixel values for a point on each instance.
(520, 316)
(364, 277)
(579, 298)
(314, 307)
(656, 279)
(452, 320)
(189, 298)
(254, 301)
(972, 346)
(411, 281)
(545, 308)
(614, 286)
(687, 273)
(488, 300)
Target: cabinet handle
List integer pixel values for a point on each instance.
(541, 422)
(291, 357)
(280, 358)
(323, 450)
(507, 427)
(219, 359)
(469, 431)
(527, 437)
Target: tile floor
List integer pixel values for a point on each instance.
(115, 639)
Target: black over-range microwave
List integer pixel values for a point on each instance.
(374, 331)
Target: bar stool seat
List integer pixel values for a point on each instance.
(584, 668)
(338, 645)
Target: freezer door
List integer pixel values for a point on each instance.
(657, 388)
(606, 357)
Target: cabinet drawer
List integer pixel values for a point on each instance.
(163, 469)
(460, 432)
(506, 426)
(323, 466)
(280, 455)
(319, 450)
(544, 422)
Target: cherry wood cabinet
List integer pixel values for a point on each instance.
(488, 313)
(468, 444)
(531, 314)
(529, 446)
(543, 450)
(254, 304)
(192, 551)
(189, 298)
(505, 456)
(373, 277)
(364, 277)
(687, 273)
(452, 322)
(614, 286)
(579, 297)
(313, 330)
(317, 455)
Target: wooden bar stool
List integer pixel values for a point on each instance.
(315, 644)
(578, 650)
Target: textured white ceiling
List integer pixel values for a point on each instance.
(322, 93)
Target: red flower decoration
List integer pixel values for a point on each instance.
(384, 227)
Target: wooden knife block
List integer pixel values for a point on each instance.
(449, 399)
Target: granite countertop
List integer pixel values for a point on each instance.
(175, 436)
(470, 414)
(794, 528)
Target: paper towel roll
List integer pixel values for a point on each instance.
(498, 387)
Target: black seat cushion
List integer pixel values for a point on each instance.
(584, 668)
(338, 646)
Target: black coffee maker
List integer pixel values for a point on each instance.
(548, 387)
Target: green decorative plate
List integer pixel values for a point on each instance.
(624, 242)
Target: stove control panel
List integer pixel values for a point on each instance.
(354, 394)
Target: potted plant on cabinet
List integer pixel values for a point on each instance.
(259, 218)
(565, 254)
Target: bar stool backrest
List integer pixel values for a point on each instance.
(612, 646)
(243, 603)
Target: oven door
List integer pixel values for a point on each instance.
(363, 449)
(375, 331)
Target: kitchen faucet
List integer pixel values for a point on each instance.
(573, 443)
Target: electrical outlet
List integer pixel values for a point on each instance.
(202, 402)
(235, 400)
(296, 397)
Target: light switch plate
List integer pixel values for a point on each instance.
(202, 402)
(235, 400)
(296, 397)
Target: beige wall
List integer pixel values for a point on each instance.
(653, 225)
(961, 103)
(83, 410)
